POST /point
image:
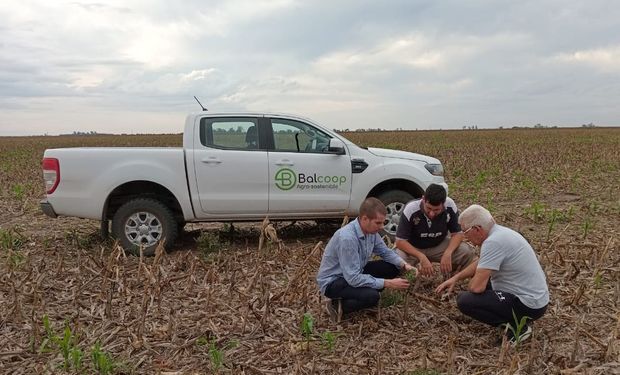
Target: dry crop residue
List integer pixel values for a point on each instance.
(217, 303)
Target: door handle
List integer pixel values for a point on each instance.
(285, 162)
(211, 160)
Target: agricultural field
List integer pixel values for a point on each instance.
(243, 300)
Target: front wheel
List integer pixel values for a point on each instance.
(143, 223)
(394, 201)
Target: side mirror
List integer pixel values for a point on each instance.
(336, 146)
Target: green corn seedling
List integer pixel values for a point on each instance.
(518, 327)
(77, 357)
(49, 335)
(587, 225)
(329, 340)
(102, 362)
(307, 327)
(65, 344)
(217, 357)
(598, 280)
(555, 215)
(10, 239)
(391, 297)
(19, 191)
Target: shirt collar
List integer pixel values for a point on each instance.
(358, 229)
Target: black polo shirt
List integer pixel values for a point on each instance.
(422, 232)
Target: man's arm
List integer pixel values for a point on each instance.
(349, 259)
(426, 268)
(390, 256)
(478, 283)
(467, 272)
(446, 258)
(456, 236)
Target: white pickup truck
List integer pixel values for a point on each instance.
(232, 167)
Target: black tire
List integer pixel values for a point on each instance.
(180, 229)
(395, 201)
(144, 222)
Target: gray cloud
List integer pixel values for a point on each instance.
(413, 64)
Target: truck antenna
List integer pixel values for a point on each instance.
(200, 104)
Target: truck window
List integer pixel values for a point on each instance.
(230, 133)
(295, 136)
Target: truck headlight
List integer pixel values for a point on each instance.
(434, 169)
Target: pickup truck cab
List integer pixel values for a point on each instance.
(232, 167)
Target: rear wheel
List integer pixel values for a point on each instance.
(394, 201)
(143, 223)
(180, 228)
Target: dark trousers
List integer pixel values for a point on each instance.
(354, 299)
(495, 307)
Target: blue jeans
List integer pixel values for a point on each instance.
(354, 299)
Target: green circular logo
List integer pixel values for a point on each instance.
(285, 179)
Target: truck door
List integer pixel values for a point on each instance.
(303, 176)
(231, 167)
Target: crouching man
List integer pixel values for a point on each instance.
(429, 232)
(347, 274)
(517, 282)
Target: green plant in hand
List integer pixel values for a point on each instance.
(411, 277)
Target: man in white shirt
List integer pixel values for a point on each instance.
(506, 282)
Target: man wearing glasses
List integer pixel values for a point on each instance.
(506, 280)
(422, 234)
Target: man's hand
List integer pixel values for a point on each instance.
(449, 284)
(396, 283)
(408, 267)
(446, 262)
(426, 268)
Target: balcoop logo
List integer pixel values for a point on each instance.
(286, 179)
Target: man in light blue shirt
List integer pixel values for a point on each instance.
(347, 275)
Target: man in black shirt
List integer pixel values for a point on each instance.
(422, 234)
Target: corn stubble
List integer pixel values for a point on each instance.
(178, 311)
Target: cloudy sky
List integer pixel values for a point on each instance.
(133, 66)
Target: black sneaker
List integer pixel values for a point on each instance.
(334, 310)
(524, 335)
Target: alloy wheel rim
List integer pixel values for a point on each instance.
(143, 229)
(392, 218)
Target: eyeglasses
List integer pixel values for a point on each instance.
(470, 228)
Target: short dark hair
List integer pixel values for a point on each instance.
(371, 207)
(435, 194)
